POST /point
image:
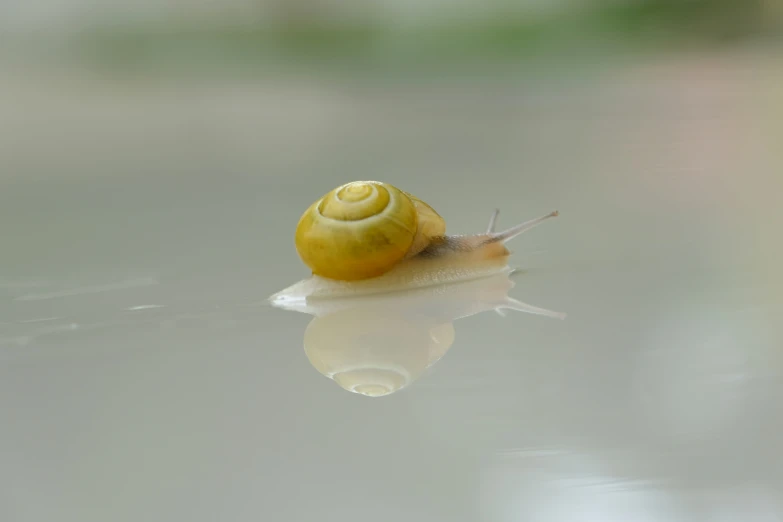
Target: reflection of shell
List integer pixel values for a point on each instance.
(377, 345)
(373, 354)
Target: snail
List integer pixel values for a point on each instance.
(377, 345)
(367, 237)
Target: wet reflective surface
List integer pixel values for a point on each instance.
(144, 374)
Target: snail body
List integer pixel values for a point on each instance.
(370, 237)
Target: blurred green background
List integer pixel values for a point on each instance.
(372, 36)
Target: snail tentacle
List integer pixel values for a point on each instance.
(516, 230)
(492, 221)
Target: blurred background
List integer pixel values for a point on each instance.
(155, 156)
(371, 35)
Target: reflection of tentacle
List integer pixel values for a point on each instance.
(514, 304)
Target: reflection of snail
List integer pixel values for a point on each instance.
(377, 345)
(368, 237)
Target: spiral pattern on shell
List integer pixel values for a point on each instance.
(357, 231)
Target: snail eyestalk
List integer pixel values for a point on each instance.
(514, 231)
(492, 221)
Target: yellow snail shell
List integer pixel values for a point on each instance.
(368, 237)
(363, 229)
